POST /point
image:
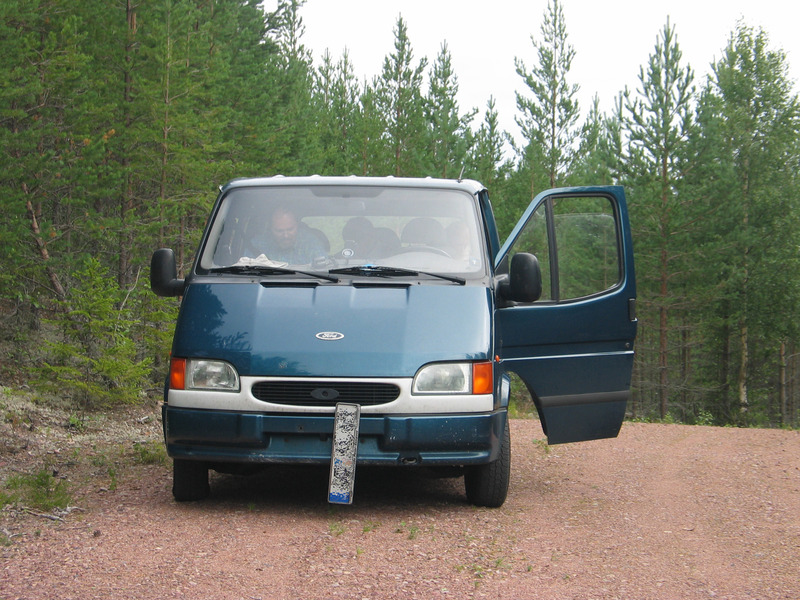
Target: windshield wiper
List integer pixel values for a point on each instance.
(268, 270)
(382, 271)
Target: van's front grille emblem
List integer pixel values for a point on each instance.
(329, 336)
(324, 394)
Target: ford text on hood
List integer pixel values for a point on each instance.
(376, 321)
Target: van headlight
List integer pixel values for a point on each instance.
(203, 374)
(454, 378)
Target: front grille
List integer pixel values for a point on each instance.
(325, 393)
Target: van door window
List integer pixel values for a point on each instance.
(576, 242)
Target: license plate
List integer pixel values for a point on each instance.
(344, 453)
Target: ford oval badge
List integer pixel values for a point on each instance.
(329, 336)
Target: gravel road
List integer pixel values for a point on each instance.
(663, 511)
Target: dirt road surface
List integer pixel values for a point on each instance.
(662, 512)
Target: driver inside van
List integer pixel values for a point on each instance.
(288, 240)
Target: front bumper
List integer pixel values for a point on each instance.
(218, 436)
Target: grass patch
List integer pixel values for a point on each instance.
(336, 528)
(521, 405)
(150, 453)
(542, 445)
(370, 526)
(6, 498)
(40, 491)
(76, 423)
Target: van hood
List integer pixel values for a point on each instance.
(333, 330)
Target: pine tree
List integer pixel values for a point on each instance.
(598, 158)
(399, 96)
(291, 142)
(94, 360)
(658, 129)
(548, 118)
(336, 94)
(118, 120)
(43, 136)
(751, 124)
(487, 161)
(450, 133)
(488, 165)
(374, 153)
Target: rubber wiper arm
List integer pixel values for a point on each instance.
(383, 271)
(265, 270)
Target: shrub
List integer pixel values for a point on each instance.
(41, 491)
(94, 360)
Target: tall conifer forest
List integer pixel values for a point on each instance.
(120, 119)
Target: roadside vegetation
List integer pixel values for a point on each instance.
(52, 459)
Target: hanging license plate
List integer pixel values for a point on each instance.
(344, 453)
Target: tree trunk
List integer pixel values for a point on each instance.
(686, 364)
(782, 383)
(664, 233)
(127, 201)
(743, 334)
(42, 248)
(742, 379)
(165, 127)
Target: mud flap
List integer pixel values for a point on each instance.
(344, 453)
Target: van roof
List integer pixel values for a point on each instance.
(469, 185)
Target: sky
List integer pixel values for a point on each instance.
(612, 39)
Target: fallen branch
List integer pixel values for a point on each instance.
(42, 515)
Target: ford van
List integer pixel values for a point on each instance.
(352, 321)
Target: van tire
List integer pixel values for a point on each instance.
(189, 480)
(487, 485)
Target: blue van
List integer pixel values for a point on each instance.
(377, 321)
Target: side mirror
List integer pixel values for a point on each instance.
(164, 274)
(524, 283)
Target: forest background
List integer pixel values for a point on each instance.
(118, 120)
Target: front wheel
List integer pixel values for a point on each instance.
(189, 480)
(487, 485)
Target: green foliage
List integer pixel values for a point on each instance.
(399, 99)
(485, 159)
(336, 528)
(658, 126)
(520, 405)
(548, 117)
(40, 491)
(450, 134)
(337, 101)
(150, 453)
(94, 362)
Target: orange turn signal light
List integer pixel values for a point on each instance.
(177, 374)
(482, 378)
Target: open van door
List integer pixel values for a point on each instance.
(573, 345)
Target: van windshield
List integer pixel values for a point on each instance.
(335, 227)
